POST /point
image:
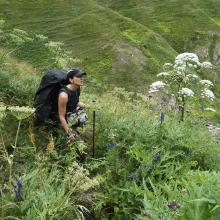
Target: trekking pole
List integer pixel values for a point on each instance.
(93, 135)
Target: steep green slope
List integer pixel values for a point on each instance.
(107, 42)
(115, 40)
(185, 24)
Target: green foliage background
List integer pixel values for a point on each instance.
(140, 165)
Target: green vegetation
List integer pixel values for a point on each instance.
(141, 167)
(147, 164)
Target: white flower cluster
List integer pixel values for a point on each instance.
(21, 112)
(186, 92)
(163, 74)
(184, 60)
(206, 82)
(156, 86)
(24, 109)
(206, 93)
(206, 65)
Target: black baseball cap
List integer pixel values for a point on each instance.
(75, 72)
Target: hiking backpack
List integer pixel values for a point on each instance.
(46, 97)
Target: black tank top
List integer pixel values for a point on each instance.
(73, 99)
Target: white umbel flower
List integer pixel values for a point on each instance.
(186, 92)
(21, 109)
(156, 86)
(21, 112)
(184, 60)
(206, 82)
(206, 65)
(206, 93)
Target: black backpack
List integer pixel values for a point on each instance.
(46, 97)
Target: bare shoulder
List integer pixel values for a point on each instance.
(63, 97)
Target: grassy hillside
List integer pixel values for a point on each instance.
(184, 24)
(105, 41)
(122, 37)
(147, 162)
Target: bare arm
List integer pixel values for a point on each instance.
(62, 102)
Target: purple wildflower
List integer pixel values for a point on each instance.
(157, 158)
(18, 193)
(111, 144)
(19, 183)
(18, 189)
(162, 117)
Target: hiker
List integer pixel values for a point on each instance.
(68, 99)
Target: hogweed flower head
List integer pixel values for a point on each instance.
(185, 60)
(21, 112)
(206, 65)
(156, 86)
(186, 92)
(206, 82)
(207, 93)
